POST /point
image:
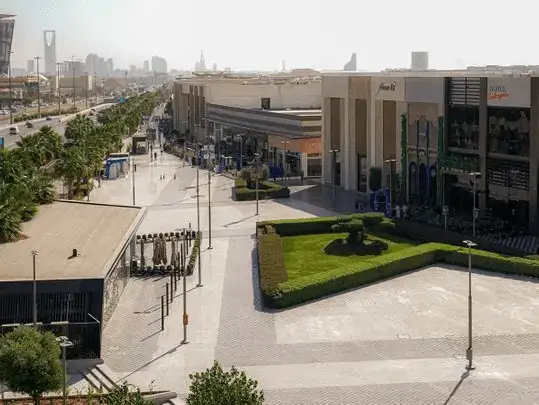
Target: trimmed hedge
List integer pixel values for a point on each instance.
(194, 253)
(267, 189)
(279, 292)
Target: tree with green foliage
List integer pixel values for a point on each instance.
(30, 362)
(218, 387)
(124, 395)
(355, 229)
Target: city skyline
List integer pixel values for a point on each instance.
(82, 27)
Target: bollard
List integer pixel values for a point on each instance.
(167, 300)
(162, 312)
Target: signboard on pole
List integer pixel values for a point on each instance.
(1, 142)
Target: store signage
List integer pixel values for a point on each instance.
(386, 87)
(509, 92)
(497, 93)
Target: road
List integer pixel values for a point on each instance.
(44, 110)
(10, 140)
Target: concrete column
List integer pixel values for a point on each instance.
(401, 109)
(351, 163)
(304, 164)
(534, 153)
(483, 146)
(379, 133)
(326, 140)
(371, 133)
(343, 105)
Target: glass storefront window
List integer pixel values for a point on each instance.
(314, 167)
(464, 127)
(509, 131)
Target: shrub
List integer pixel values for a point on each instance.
(271, 264)
(279, 292)
(266, 189)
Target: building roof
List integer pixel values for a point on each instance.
(470, 72)
(98, 232)
(3, 16)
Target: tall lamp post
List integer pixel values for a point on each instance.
(74, 88)
(475, 212)
(210, 167)
(334, 177)
(285, 168)
(58, 64)
(257, 159)
(198, 215)
(64, 343)
(10, 88)
(37, 58)
(469, 351)
(86, 77)
(390, 161)
(34, 288)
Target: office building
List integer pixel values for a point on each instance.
(159, 65)
(146, 67)
(7, 26)
(431, 129)
(420, 60)
(109, 66)
(30, 66)
(200, 66)
(49, 43)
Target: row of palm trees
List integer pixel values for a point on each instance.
(28, 173)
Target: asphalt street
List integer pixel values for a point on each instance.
(10, 140)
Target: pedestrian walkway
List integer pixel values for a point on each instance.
(525, 243)
(397, 342)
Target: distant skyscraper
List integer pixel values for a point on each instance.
(215, 67)
(159, 65)
(49, 42)
(146, 66)
(351, 65)
(420, 60)
(30, 66)
(7, 25)
(110, 66)
(200, 66)
(283, 66)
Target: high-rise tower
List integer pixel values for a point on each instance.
(7, 25)
(49, 42)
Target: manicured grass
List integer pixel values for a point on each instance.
(304, 254)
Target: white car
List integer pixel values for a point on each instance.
(14, 130)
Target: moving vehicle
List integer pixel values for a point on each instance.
(48, 118)
(29, 124)
(14, 131)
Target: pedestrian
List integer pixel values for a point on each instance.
(155, 155)
(357, 205)
(302, 180)
(174, 176)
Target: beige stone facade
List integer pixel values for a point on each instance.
(453, 123)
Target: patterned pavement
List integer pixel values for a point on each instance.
(397, 342)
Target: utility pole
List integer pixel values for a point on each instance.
(210, 166)
(86, 77)
(37, 58)
(10, 89)
(74, 89)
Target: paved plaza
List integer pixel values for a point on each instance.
(400, 341)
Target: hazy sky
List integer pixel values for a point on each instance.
(251, 34)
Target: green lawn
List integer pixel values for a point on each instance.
(304, 254)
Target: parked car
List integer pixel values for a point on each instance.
(14, 130)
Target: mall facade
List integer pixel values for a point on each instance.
(427, 131)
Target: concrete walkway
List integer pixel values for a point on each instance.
(397, 342)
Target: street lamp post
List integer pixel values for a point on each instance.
(257, 159)
(390, 161)
(474, 175)
(334, 177)
(37, 58)
(74, 89)
(64, 343)
(210, 167)
(34, 288)
(10, 88)
(469, 351)
(133, 169)
(58, 64)
(198, 215)
(86, 77)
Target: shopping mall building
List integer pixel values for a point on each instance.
(276, 115)
(429, 131)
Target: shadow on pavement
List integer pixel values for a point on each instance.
(464, 375)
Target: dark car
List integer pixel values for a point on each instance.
(48, 119)
(29, 124)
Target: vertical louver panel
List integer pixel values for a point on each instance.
(464, 90)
